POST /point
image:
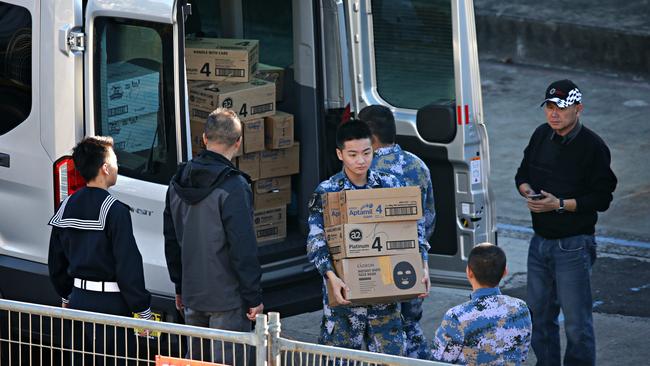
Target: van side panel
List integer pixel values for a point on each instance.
(61, 74)
(26, 185)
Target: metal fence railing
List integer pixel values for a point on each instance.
(286, 352)
(32, 334)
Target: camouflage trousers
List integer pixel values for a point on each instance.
(378, 326)
(416, 342)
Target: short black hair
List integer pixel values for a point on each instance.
(90, 154)
(353, 129)
(223, 126)
(381, 121)
(487, 262)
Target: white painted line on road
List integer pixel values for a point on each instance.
(599, 239)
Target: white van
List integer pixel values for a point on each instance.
(418, 57)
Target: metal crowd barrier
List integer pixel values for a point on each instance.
(286, 352)
(32, 334)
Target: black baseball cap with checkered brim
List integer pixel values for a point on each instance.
(564, 93)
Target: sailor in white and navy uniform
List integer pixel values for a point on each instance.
(94, 262)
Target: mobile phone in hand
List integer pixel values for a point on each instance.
(536, 196)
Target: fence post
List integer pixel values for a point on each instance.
(261, 333)
(274, 335)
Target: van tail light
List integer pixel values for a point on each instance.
(67, 180)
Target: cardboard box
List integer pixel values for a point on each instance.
(253, 135)
(196, 135)
(383, 279)
(331, 209)
(276, 163)
(196, 132)
(272, 192)
(135, 133)
(274, 74)
(131, 92)
(270, 224)
(278, 130)
(221, 59)
(372, 239)
(251, 100)
(250, 164)
(380, 205)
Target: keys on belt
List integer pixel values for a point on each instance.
(97, 286)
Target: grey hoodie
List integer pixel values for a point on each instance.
(210, 243)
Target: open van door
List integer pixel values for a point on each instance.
(419, 58)
(135, 92)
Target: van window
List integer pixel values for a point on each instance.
(15, 66)
(270, 22)
(413, 51)
(134, 78)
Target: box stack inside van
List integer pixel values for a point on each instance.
(226, 73)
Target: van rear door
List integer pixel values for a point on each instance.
(135, 92)
(419, 58)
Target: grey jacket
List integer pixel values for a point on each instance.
(210, 243)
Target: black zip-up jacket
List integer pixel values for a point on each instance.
(210, 243)
(578, 168)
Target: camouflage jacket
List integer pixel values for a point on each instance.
(317, 250)
(414, 172)
(490, 329)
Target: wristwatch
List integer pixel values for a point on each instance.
(561, 208)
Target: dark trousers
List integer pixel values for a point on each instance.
(559, 277)
(217, 351)
(416, 342)
(97, 344)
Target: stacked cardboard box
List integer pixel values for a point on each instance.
(221, 59)
(224, 73)
(272, 186)
(372, 236)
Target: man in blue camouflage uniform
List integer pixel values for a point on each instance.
(491, 328)
(379, 325)
(390, 158)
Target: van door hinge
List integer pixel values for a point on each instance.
(77, 41)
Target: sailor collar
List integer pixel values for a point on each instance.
(74, 223)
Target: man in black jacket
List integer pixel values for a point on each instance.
(566, 178)
(210, 243)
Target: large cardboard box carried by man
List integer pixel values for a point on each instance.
(372, 239)
(380, 205)
(383, 279)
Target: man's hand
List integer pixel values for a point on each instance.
(526, 190)
(252, 312)
(179, 303)
(64, 305)
(146, 333)
(426, 281)
(338, 287)
(546, 204)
